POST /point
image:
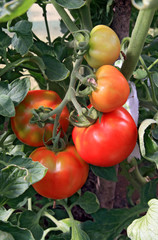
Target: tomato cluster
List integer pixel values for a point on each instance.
(112, 138)
(105, 143)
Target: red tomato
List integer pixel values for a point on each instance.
(109, 141)
(112, 89)
(32, 134)
(66, 174)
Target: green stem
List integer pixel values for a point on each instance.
(73, 223)
(136, 44)
(65, 17)
(71, 90)
(46, 23)
(154, 63)
(29, 204)
(132, 173)
(60, 225)
(154, 98)
(13, 64)
(86, 20)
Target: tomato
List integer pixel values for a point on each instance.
(32, 134)
(108, 141)
(112, 89)
(66, 174)
(104, 47)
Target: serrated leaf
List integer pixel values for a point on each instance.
(146, 227)
(29, 220)
(23, 38)
(6, 236)
(108, 173)
(5, 214)
(14, 8)
(15, 231)
(55, 70)
(71, 4)
(18, 89)
(7, 108)
(13, 181)
(35, 170)
(89, 202)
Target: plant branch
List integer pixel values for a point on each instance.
(46, 22)
(65, 17)
(86, 20)
(136, 44)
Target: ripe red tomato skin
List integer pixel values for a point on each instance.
(66, 174)
(112, 89)
(108, 142)
(32, 134)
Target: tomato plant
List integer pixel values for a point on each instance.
(30, 133)
(108, 141)
(66, 174)
(104, 46)
(120, 183)
(112, 89)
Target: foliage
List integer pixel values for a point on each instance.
(59, 65)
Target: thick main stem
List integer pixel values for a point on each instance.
(139, 34)
(65, 17)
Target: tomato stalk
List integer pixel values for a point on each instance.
(131, 172)
(154, 98)
(86, 20)
(65, 17)
(137, 40)
(43, 6)
(76, 233)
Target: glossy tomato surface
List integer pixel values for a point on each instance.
(32, 134)
(112, 89)
(109, 141)
(104, 46)
(66, 173)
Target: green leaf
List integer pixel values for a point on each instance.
(109, 173)
(145, 228)
(13, 8)
(55, 70)
(18, 89)
(13, 181)
(155, 78)
(15, 231)
(5, 214)
(29, 220)
(7, 108)
(35, 170)
(6, 236)
(151, 155)
(71, 4)
(5, 41)
(23, 38)
(89, 202)
(140, 74)
(108, 224)
(22, 199)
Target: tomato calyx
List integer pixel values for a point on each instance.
(81, 41)
(58, 143)
(85, 119)
(41, 116)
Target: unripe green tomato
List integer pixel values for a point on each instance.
(104, 47)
